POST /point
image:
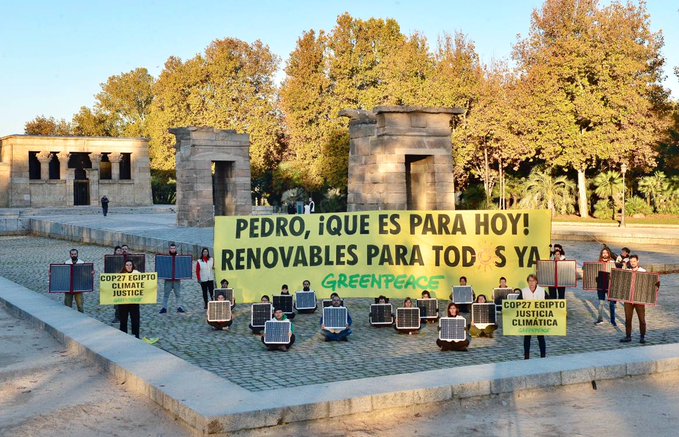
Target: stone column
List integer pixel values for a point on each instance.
(63, 164)
(44, 158)
(95, 159)
(114, 159)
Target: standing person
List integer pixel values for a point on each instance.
(129, 309)
(342, 335)
(631, 307)
(622, 260)
(558, 254)
(68, 297)
(453, 311)
(307, 208)
(205, 274)
(602, 288)
(104, 205)
(312, 205)
(533, 292)
(172, 285)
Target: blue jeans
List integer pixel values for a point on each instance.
(336, 336)
(170, 285)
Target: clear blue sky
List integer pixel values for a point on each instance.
(55, 54)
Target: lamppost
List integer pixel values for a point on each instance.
(623, 168)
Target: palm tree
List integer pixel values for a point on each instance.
(653, 187)
(609, 187)
(543, 191)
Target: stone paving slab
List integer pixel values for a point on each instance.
(214, 406)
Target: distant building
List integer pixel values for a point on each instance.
(44, 171)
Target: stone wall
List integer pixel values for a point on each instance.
(198, 152)
(22, 191)
(400, 158)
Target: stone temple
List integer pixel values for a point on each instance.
(401, 158)
(51, 171)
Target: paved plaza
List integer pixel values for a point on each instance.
(239, 356)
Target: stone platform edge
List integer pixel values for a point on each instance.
(211, 405)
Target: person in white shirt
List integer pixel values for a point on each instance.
(631, 307)
(533, 292)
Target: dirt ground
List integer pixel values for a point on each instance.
(46, 391)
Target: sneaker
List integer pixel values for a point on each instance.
(163, 310)
(642, 340)
(599, 322)
(625, 340)
(180, 310)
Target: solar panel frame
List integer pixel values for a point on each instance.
(500, 294)
(592, 276)
(556, 273)
(463, 294)
(512, 296)
(183, 266)
(452, 328)
(308, 300)
(381, 314)
(115, 263)
(260, 313)
(335, 318)
(429, 308)
(284, 302)
(228, 294)
(60, 278)
(408, 318)
(219, 311)
(277, 332)
(483, 315)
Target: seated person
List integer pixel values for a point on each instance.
(381, 299)
(408, 303)
(286, 292)
(225, 284)
(306, 286)
(464, 307)
(334, 335)
(218, 326)
(488, 330)
(258, 330)
(279, 315)
(423, 311)
(453, 311)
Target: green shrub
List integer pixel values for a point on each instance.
(602, 209)
(163, 187)
(637, 205)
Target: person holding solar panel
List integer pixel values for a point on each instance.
(219, 326)
(533, 292)
(408, 303)
(488, 330)
(129, 309)
(78, 297)
(453, 312)
(630, 308)
(602, 288)
(280, 316)
(334, 335)
(258, 330)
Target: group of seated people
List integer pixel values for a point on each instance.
(454, 310)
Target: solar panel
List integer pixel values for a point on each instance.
(260, 313)
(227, 292)
(218, 311)
(381, 314)
(429, 308)
(115, 263)
(335, 317)
(646, 288)
(180, 265)
(452, 328)
(553, 273)
(500, 294)
(277, 332)
(512, 296)
(328, 302)
(621, 285)
(595, 275)
(407, 318)
(284, 302)
(483, 314)
(463, 294)
(64, 278)
(305, 300)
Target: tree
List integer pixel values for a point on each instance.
(609, 188)
(42, 125)
(594, 74)
(653, 187)
(126, 100)
(93, 124)
(230, 86)
(543, 191)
